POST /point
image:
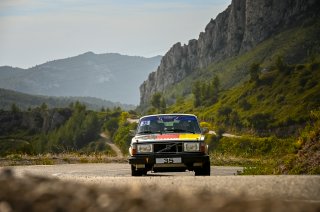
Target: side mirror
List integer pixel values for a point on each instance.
(204, 130)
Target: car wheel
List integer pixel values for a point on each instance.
(204, 171)
(137, 172)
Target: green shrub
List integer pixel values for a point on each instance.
(307, 160)
(255, 147)
(122, 136)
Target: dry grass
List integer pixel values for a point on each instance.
(63, 158)
(219, 159)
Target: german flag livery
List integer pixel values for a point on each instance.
(173, 136)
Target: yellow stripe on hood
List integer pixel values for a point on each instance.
(190, 136)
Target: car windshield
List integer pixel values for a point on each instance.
(168, 124)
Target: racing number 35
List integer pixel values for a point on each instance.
(168, 160)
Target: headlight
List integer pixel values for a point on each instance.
(143, 148)
(191, 147)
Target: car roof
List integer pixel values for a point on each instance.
(169, 114)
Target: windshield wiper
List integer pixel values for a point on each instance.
(145, 132)
(181, 130)
(149, 132)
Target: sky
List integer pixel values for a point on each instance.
(33, 32)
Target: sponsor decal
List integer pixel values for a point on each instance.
(170, 137)
(190, 136)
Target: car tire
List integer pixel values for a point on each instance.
(204, 171)
(137, 172)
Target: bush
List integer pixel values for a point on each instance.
(81, 128)
(260, 121)
(314, 66)
(307, 160)
(255, 147)
(96, 147)
(281, 65)
(122, 136)
(14, 146)
(244, 104)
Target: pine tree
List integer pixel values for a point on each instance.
(254, 72)
(15, 108)
(157, 101)
(163, 105)
(215, 89)
(44, 106)
(196, 90)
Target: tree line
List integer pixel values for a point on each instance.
(78, 130)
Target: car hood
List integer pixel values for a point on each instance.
(171, 137)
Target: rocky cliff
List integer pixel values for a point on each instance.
(243, 25)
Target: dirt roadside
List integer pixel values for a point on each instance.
(114, 147)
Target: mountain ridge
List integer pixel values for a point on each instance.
(107, 76)
(25, 101)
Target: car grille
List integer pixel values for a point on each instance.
(167, 147)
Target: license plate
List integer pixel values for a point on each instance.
(168, 160)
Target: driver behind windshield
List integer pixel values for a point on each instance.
(154, 126)
(185, 125)
(168, 123)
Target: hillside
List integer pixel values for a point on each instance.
(307, 159)
(279, 103)
(110, 76)
(25, 101)
(246, 32)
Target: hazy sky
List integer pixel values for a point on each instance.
(36, 31)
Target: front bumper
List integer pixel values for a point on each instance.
(188, 161)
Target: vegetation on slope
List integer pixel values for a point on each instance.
(297, 45)
(279, 103)
(307, 159)
(118, 128)
(59, 131)
(271, 109)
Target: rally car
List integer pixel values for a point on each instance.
(169, 143)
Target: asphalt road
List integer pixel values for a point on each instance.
(107, 170)
(224, 180)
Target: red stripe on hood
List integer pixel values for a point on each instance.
(168, 136)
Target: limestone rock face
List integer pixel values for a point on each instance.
(243, 25)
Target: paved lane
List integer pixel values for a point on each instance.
(108, 169)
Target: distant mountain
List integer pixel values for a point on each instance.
(108, 76)
(25, 101)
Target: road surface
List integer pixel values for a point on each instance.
(224, 180)
(224, 134)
